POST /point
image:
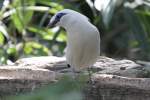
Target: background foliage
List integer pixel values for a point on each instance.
(123, 24)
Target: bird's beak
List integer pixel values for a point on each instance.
(51, 24)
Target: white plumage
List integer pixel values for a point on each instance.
(83, 39)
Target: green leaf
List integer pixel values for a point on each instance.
(27, 14)
(17, 21)
(37, 30)
(55, 5)
(16, 17)
(134, 43)
(34, 48)
(22, 17)
(28, 49)
(43, 33)
(3, 56)
(1, 39)
(3, 60)
(3, 30)
(11, 51)
(144, 17)
(62, 37)
(136, 27)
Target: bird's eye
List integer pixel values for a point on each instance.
(58, 16)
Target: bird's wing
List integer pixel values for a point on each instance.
(82, 51)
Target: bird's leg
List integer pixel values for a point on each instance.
(74, 74)
(90, 74)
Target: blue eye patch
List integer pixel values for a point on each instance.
(59, 15)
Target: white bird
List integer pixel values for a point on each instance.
(83, 38)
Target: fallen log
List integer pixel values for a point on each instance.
(28, 74)
(113, 87)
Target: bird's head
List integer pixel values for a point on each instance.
(65, 16)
